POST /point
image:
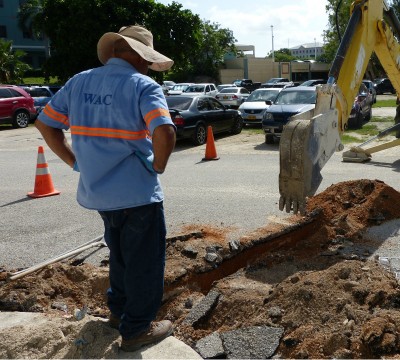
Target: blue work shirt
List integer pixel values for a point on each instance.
(112, 112)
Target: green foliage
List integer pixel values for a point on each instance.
(75, 26)
(27, 18)
(12, 68)
(338, 17)
(282, 55)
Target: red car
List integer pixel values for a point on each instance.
(16, 106)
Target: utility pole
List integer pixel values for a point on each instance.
(273, 53)
(315, 48)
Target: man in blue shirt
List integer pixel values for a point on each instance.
(122, 136)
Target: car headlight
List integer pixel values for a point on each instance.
(268, 116)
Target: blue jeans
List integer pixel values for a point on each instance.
(136, 239)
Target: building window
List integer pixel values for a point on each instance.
(3, 31)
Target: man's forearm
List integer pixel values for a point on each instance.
(164, 138)
(57, 142)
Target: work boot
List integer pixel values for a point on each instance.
(158, 331)
(114, 321)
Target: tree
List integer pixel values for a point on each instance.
(339, 15)
(12, 68)
(28, 15)
(214, 43)
(282, 55)
(75, 26)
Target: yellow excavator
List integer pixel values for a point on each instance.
(309, 139)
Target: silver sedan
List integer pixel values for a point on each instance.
(232, 97)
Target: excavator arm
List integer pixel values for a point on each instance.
(310, 139)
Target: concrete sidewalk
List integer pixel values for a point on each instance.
(37, 335)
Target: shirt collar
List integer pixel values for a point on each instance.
(120, 62)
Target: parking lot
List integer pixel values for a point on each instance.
(238, 192)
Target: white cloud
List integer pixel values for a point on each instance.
(294, 22)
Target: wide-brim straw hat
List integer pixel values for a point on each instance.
(139, 39)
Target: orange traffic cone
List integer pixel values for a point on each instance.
(43, 182)
(211, 152)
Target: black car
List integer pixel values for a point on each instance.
(383, 86)
(193, 114)
(362, 108)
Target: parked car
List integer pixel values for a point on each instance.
(178, 89)
(273, 81)
(289, 102)
(280, 84)
(222, 86)
(362, 108)
(193, 114)
(41, 95)
(16, 106)
(201, 89)
(232, 97)
(167, 85)
(384, 85)
(252, 110)
(313, 82)
(247, 84)
(371, 88)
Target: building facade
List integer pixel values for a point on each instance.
(36, 49)
(307, 51)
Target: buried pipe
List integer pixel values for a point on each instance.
(97, 242)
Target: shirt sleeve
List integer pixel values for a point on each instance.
(55, 113)
(154, 107)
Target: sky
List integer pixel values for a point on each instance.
(293, 22)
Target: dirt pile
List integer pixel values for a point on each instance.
(315, 278)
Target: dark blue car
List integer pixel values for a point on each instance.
(289, 102)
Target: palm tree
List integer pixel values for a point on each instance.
(12, 68)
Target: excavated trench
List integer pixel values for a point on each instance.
(312, 280)
(286, 239)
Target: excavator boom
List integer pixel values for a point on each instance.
(310, 139)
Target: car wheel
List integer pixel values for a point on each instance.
(369, 115)
(21, 119)
(237, 125)
(200, 135)
(269, 138)
(359, 121)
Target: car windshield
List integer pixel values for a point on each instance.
(180, 87)
(220, 87)
(195, 88)
(296, 97)
(179, 103)
(263, 95)
(231, 90)
(39, 92)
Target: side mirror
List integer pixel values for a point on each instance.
(268, 102)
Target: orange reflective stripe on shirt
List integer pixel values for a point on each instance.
(109, 133)
(150, 116)
(50, 112)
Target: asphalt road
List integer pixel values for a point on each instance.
(238, 192)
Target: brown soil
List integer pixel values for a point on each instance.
(314, 278)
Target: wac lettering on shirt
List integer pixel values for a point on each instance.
(96, 99)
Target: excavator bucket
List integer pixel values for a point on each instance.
(299, 176)
(306, 144)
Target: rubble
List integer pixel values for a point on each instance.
(314, 288)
